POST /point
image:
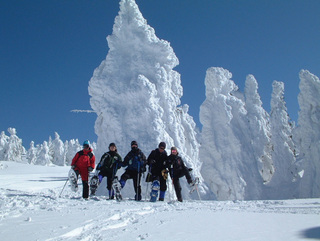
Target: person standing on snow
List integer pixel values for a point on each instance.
(108, 166)
(157, 164)
(135, 161)
(83, 163)
(177, 169)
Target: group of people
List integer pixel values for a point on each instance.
(159, 165)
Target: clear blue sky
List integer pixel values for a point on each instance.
(50, 48)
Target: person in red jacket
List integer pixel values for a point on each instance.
(83, 163)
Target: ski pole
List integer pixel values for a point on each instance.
(170, 193)
(147, 191)
(138, 181)
(172, 183)
(64, 187)
(198, 192)
(148, 177)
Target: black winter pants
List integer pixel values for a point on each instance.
(85, 186)
(176, 182)
(130, 174)
(109, 180)
(177, 188)
(85, 189)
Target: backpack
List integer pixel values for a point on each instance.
(136, 163)
(81, 153)
(105, 162)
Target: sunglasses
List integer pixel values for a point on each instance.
(161, 148)
(85, 146)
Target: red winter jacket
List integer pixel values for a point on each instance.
(82, 160)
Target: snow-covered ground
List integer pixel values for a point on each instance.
(31, 209)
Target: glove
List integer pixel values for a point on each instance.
(152, 162)
(119, 163)
(143, 169)
(164, 173)
(90, 169)
(190, 169)
(73, 167)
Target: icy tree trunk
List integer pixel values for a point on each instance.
(3, 145)
(283, 184)
(14, 149)
(259, 128)
(307, 135)
(43, 157)
(229, 167)
(32, 154)
(58, 152)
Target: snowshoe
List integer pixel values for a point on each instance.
(73, 180)
(94, 183)
(154, 191)
(116, 186)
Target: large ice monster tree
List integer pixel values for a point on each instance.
(307, 134)
(136, 93)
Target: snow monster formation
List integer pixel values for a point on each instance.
(136, 93)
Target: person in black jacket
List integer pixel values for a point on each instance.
(135, 161)
(157, 163)
(177, 169)
(108, 166)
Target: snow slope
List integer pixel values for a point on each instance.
(31, 209)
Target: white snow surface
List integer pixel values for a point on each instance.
(31, 209)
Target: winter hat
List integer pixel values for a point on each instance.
(174, 148)
(112, 144)
(134, 143)
(162, 144)
(86, 142)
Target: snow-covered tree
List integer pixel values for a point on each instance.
(71, 148)
(58, 152)
(229, 166)
(259, 129)
(32, 153)
(307, 134)
(14, 148)
(3, 144)
(283, 184)
(136, 93)
(44, 157)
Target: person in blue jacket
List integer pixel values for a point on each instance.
(135, 161)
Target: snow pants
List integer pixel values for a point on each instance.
(136, 177)
(177, 188)
(85, 184)
(176, 183)
(109, 180)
